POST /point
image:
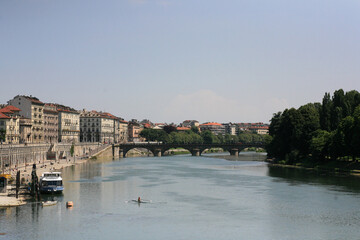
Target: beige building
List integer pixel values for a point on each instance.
(101, 127)
(215, 128)
(51, 123)
(134, 129)
(69, 124)
(10, 125)
(123, 131)
(33, 108)
(25, 130)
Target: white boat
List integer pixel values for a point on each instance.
(49, 203)
(51, 182)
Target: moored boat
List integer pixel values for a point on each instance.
(51, 182)
(49, 203)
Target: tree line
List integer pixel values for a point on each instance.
(193, 136)
(317, 131)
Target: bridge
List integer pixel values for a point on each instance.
(158, 149)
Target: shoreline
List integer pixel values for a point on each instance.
(7, 200)
(25, 176)
(320, 168)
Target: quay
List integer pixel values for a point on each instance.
(45, 165)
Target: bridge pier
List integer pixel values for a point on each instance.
(234, 152)
(121, 153)
(196, 152)
(157, 152)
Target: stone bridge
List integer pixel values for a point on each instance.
(158, 149)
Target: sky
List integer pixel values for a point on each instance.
(174, 60)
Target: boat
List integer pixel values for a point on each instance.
(51, 182)
(48, 203)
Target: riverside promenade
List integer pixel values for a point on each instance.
(41, 167)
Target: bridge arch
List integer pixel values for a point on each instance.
(158, 149)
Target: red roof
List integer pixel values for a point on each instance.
(3, 116)
(10, 108)
(182, 128)
(34, 100)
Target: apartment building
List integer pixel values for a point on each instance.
(134, 129)
(69, 124)
(25, 130)
(102, 127)
(31, 108)
(215, 128)
(123, 131)
(9, 125)
(230, 128)
(51, 123)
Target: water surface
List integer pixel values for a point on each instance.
(191, 198)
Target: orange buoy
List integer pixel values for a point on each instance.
(69, 204)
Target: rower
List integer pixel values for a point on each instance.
(139, 200)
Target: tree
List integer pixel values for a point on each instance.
(310, 123)
(355, 143)
(2, 135)
(207, 137)
(325, 114)
(347, 127)
(319, 145)
(154, 135)
(72, 150)
(169, 129)
(195, 129)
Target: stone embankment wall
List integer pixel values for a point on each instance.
(12, 156)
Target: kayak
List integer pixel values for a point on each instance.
(141, 201)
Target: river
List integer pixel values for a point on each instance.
(191, 198)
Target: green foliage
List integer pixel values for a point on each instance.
(319, 146)
(154, 135)
(195, 129)
(169, 129)
(193, 136)
(2, 135)
(72, 149)
(208, 137)
(319, 131)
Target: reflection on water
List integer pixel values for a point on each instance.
(191, 198)
(301, 176)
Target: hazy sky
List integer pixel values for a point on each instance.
(172, 60)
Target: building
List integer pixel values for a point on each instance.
(182, 129)
(69, 124)
(230, 128)
(124, 136)
(190, 123)
(247, 126)
(51, 123)
(9, 125)
(134, 129)
(260, 130)
(32, 108)
(25, 130)
(102, 127)
(215, 128)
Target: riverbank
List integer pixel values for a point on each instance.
(338, 168)
(243, 156)
(41, 167)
